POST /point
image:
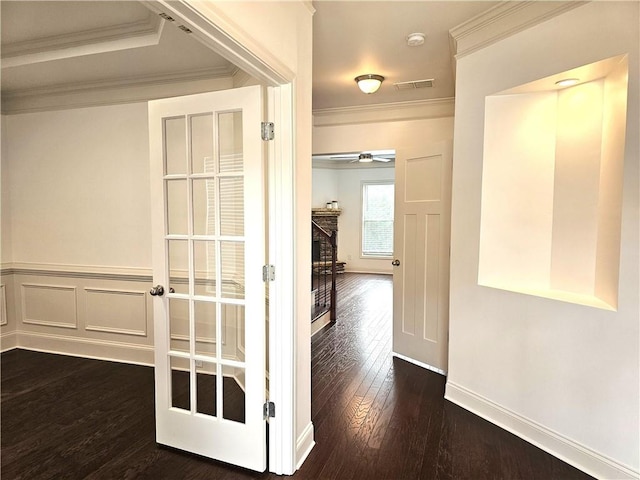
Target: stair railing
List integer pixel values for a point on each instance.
(321, 268)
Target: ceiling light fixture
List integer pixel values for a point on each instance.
(567, 82)
(415, 39)
(369, 83)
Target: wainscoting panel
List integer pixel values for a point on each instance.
(116, 311)
(7, 312)
(3, 305)
(49, 305)
(95, 312)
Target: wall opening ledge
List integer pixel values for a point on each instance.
(552, 186)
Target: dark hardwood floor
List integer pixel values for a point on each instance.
(375, 417)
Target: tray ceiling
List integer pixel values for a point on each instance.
(51, 44)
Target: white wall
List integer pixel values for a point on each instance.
(324, 186)
(7, 315)
(376, 135)
(80, 187)
(346, 186)
(564, 376)
(76, 232)
(302, 208)
(5, 200)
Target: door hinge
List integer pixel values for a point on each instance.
(268, 273)
(269, 410)
(266, 130)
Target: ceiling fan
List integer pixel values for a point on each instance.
(362, 157)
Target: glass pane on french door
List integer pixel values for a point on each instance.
(205, 245)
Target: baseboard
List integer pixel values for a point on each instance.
(371, 272)
(319, 323)
(8, 341)
(570, 451)
(86, 348)
(304, 445)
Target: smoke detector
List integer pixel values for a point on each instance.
(415, 39)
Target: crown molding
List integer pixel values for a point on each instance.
(243, 79)
(384, 112)
(502, 21)
(309, 5)
(141, 33)
(120, 90)
(333, 165)
(125, 82)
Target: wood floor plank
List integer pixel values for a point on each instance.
(351, 441)
(375, 422)
(394, 447)
(375, 417)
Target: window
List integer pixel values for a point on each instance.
(377, 219)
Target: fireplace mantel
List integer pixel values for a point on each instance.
(327, 219)
(326, 212)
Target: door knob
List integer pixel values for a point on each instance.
(395, 263)
(157, 291)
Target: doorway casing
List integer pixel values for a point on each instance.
(220, 34)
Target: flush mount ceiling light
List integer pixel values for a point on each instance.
(415, 39)
(369, 83)
(567, 82)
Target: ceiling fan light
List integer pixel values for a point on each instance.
(369, 83)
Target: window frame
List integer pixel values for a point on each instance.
(363, 187)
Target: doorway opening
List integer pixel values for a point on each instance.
(353, 196)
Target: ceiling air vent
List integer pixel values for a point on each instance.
(413, 84)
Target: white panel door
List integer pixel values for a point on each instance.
(421, 255)
(207, 190)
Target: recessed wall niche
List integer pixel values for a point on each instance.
(552, 186)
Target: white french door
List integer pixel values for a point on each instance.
(421, 249)
(207, 191)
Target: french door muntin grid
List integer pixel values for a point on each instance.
(213, 179)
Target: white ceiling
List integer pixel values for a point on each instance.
(351, 38)
(49, 44)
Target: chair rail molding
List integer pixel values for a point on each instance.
(102, 272)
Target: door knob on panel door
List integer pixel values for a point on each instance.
(157, 291)
(395, 263)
